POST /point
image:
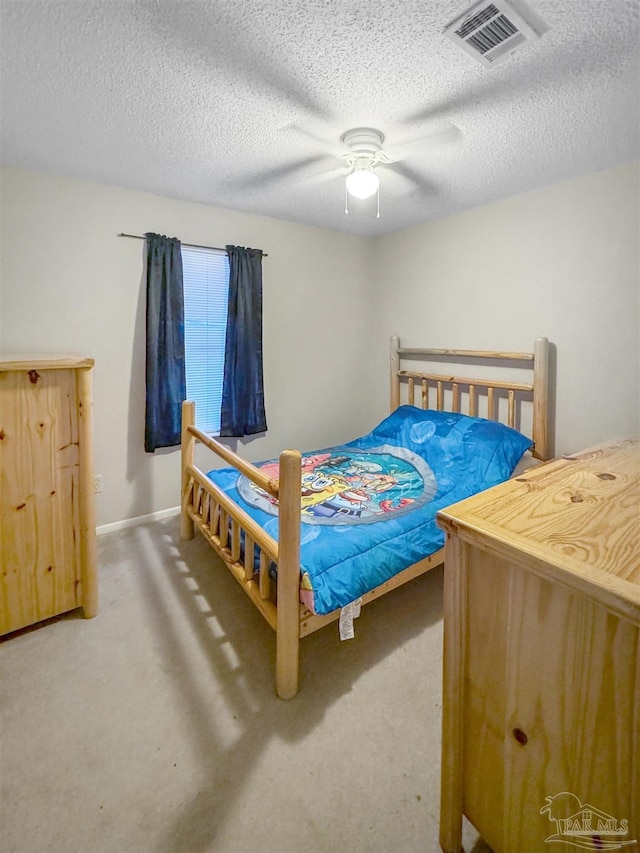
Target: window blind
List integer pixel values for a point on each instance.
(206, 292)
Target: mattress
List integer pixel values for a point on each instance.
(368, 507)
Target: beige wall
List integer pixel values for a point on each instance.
(562, 262)
(70, 284)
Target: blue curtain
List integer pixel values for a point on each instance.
(242, 389)
(166, 379)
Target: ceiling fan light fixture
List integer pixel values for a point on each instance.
(362, 182)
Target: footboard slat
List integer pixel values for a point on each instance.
(265, 580)
(224, 528)
(206, 507)
(215, 517)
(235, 541)
(249, 555)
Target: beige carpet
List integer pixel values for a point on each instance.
(155, 726)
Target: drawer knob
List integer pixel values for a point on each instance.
(520, 736)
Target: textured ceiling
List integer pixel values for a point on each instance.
(237, 103)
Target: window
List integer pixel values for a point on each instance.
(206, 292)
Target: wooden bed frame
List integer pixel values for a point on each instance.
(224, 523)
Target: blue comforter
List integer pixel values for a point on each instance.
(369, 506)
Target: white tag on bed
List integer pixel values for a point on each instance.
(348, 613)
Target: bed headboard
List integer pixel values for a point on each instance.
(478, 396)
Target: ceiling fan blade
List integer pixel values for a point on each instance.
(442, 133)
(400, 179)
(333, 147)
(258, 180)
(395, 184)
(327, 176)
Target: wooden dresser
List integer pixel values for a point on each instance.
(47, 523)
(541, 704)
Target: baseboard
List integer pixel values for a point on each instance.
(139, 519)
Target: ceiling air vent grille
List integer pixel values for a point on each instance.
(491, 31)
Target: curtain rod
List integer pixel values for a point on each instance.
(190, 245)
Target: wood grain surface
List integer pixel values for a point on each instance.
(541, 698)
(579, 514)
(47, 527)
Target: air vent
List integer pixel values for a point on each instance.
(491, 30)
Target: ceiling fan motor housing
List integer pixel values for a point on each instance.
(363, 140)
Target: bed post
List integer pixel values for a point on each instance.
(288, 614)
(541, 398)
(187, 458)
(395, 367)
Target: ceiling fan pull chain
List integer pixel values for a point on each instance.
(378, 213)
(346, 201)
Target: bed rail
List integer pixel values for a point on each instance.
(236, 538)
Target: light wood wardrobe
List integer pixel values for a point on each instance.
(47, 520)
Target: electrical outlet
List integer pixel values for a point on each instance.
(97, 484)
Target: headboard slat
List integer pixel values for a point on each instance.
(537, 391)
(511, 417)
(473, 402)
(455, 391)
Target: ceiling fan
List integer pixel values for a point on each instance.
(364, 158)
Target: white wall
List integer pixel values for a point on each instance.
(562, 262)
(70, 284)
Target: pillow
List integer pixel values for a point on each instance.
(488, 450)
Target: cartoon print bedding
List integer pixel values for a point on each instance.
(369, 506)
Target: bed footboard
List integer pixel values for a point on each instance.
(242, 544)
